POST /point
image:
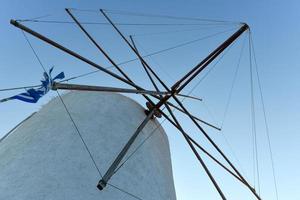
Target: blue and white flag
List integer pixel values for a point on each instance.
(33, 95)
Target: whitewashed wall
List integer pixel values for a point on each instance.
(44, 158)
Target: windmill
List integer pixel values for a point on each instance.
(154, 108)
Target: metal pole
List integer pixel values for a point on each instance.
(97, 45)
(202, 149)
(181, 130)
(68, 51)
(198, 156)
(132, 48)
(204, 63)
(102, 183)
(64, 86)
(219, 150)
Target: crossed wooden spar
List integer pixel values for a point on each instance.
(163, 98)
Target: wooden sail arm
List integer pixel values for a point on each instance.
(64, 86)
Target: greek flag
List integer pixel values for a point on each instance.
(33, 95)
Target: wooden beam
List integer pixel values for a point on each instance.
(64, 86)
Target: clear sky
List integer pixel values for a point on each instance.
(275, 28)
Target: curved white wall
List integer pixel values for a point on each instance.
(44, 158)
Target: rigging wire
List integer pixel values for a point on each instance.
(141, 144)
(253, 116)
(119, 23)
(168, 32)
(265, 119)
(211, 69)
(199, 82)
(125, 62)
(233, 83)
(209, 112)
(35, 18)
(19, 88)
(158, 52)
(156, 63)
(34, 52)
(228, 103)
(69, 114)
(121, 190)
(155, 15)
(79, 134)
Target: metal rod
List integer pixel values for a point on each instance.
(132, 48)
(180, 128)
(64, 86)
(97, 45)
(204, 63)
(214, 159)
(147, 67)
(149, 76)
(189, 96)
(144, 66)
(202, 149)
(68, 51)
(198, 156)
(196, 118)
(218, 149)
(103, 182)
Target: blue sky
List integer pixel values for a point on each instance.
(275, 32)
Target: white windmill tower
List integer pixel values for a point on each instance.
(43, 158)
